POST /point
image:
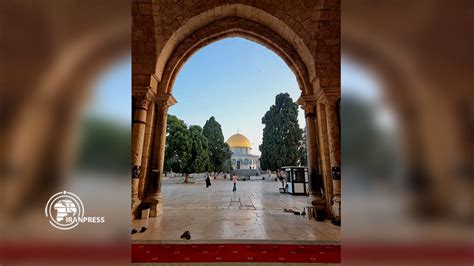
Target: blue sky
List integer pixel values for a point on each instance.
(234, 80)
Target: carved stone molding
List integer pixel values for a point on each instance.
(308, 103)
(331, 99)
(140, 94)
(165, 100)
(145, 94)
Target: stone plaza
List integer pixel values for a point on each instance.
(254, 212)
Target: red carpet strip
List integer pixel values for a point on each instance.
(282, 253)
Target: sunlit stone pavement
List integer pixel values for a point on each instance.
(253, 212)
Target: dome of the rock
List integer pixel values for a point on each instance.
(238, 141)
(242, 157)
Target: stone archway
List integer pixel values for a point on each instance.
(306, 36)
(234, 27)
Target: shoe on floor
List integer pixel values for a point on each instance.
(186, 235)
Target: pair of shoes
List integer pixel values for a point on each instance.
(186, 235)
(143, 229)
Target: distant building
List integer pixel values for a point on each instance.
(242, 158)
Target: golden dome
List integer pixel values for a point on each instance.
(238, 141)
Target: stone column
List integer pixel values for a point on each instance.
(334, 153)
(145, 166)
(324, 157)
(138, 135)
(315, 181)
(153, 187)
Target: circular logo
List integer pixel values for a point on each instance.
(64, 210)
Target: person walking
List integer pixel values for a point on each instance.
(280, 177)
(208, 181)
(235, 178)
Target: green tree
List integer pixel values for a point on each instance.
(178, 147)
(282, 135)
(171, 120)
(227, 166)
(219, 151)
(199, 161)
(186, 149)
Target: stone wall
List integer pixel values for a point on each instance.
(312, 28)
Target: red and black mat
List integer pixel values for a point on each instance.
(282, 253)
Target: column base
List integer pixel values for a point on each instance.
(319, 205)
(154, 203)
(336, 210)
(135, 200)
(136, 208)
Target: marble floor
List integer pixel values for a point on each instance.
(253, 212)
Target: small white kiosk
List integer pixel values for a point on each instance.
(296, 179)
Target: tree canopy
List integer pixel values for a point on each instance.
(178, 146)
(282, 135)
(199, 160)
(219, 151)
(171, 120)
(186, 148)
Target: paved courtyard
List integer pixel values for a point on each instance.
(253, 212)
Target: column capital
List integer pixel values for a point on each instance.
(142, 95)
(141, 102)
(308, 103)
(165, 100)
(331, 99)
